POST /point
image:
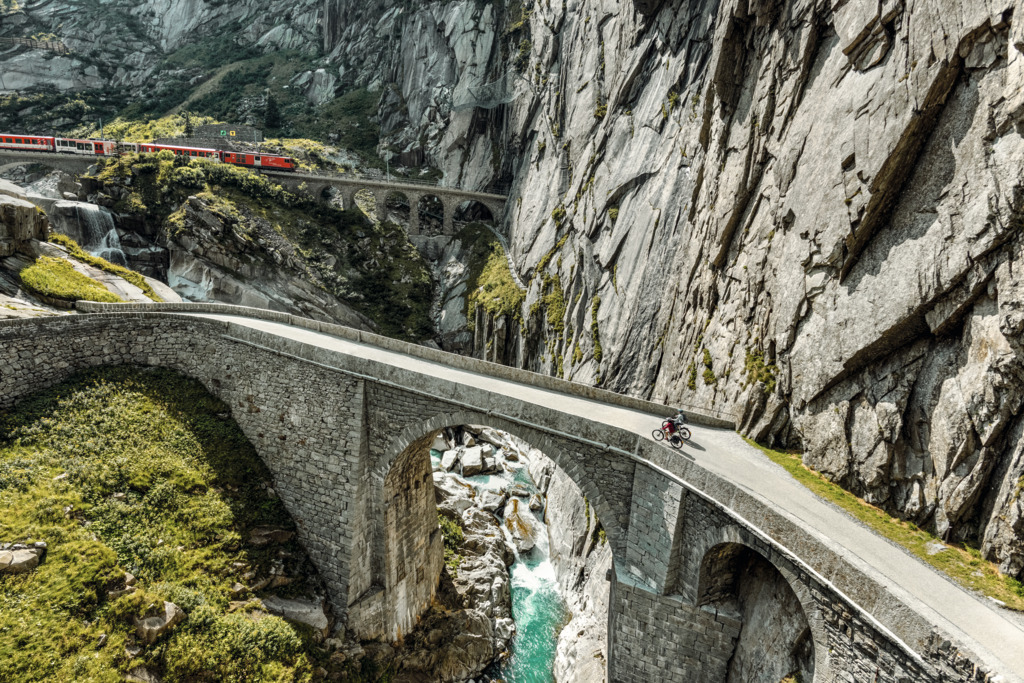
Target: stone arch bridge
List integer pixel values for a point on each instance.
(449, 198)
(342, 419)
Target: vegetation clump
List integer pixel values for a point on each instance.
(595, 332)
(58, 279)
(142, 471)
(453, 540)
(757, 370)
(709, 373)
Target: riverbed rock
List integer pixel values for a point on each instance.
(149, 629)
(520, 525)
(491, 501)
(449, 459)
(472, 461)
(20, 224)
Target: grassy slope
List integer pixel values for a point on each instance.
(76, 252)
(56, 278)
(961, 563)
(190, 484)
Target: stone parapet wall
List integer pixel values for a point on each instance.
(693, 413)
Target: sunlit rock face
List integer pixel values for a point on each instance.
(803, 213)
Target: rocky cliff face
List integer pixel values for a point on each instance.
(806, 213)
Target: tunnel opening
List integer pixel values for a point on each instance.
(775, 641)
(472, 211)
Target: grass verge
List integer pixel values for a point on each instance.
(963, 564)
(76, 252)
(139, 470)
(56, 278)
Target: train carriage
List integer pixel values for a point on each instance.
(83, 146)
(26, 143)
(191, 152)
(86, 147)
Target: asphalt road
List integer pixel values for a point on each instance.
(994, 633)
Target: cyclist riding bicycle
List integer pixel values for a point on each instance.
(677, 421)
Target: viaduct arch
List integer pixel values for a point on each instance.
(449, 198)
(328, 409)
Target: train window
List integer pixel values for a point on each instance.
(17, 141)
(255, 159)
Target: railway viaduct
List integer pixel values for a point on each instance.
(342, 418)
(420, 197)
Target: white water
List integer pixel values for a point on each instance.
(99, 235)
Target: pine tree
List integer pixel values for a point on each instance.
(271, 115)
(189, 128)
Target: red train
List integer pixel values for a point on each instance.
(42, 143)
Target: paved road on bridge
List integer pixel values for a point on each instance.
(994, 633)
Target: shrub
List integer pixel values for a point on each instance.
(453, 540)
(613, 213)
(709, 373)
(189, 177)
(54, 277)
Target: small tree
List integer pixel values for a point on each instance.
(271, 115)
(189, 128)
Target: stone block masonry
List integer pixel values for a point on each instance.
(345, 437)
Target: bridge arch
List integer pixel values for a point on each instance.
(398, 208)
(395, 576)
(433, 215)
(726, 563)
(474, 211)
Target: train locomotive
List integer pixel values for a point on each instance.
(42, 143)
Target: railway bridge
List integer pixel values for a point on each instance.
(425, 201)
(723, 566)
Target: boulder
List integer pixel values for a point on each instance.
(151, 628)
(20, 223)
(310, 613)
(263, 535)
(536, 502)
(491, 501)
(439, 443)
(449, 460)
(472, 461)
(18, 561)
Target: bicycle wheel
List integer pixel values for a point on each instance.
(675, 441)
(685, 433)
(658, 435)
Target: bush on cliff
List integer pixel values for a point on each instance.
(121, 469)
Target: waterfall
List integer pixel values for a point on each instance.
(98, 234)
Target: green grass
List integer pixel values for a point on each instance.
(187, 485)
(56, 278)
(961, 563)
(82, 255)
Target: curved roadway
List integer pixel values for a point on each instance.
(993, 633)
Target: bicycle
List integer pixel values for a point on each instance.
(675, 436)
